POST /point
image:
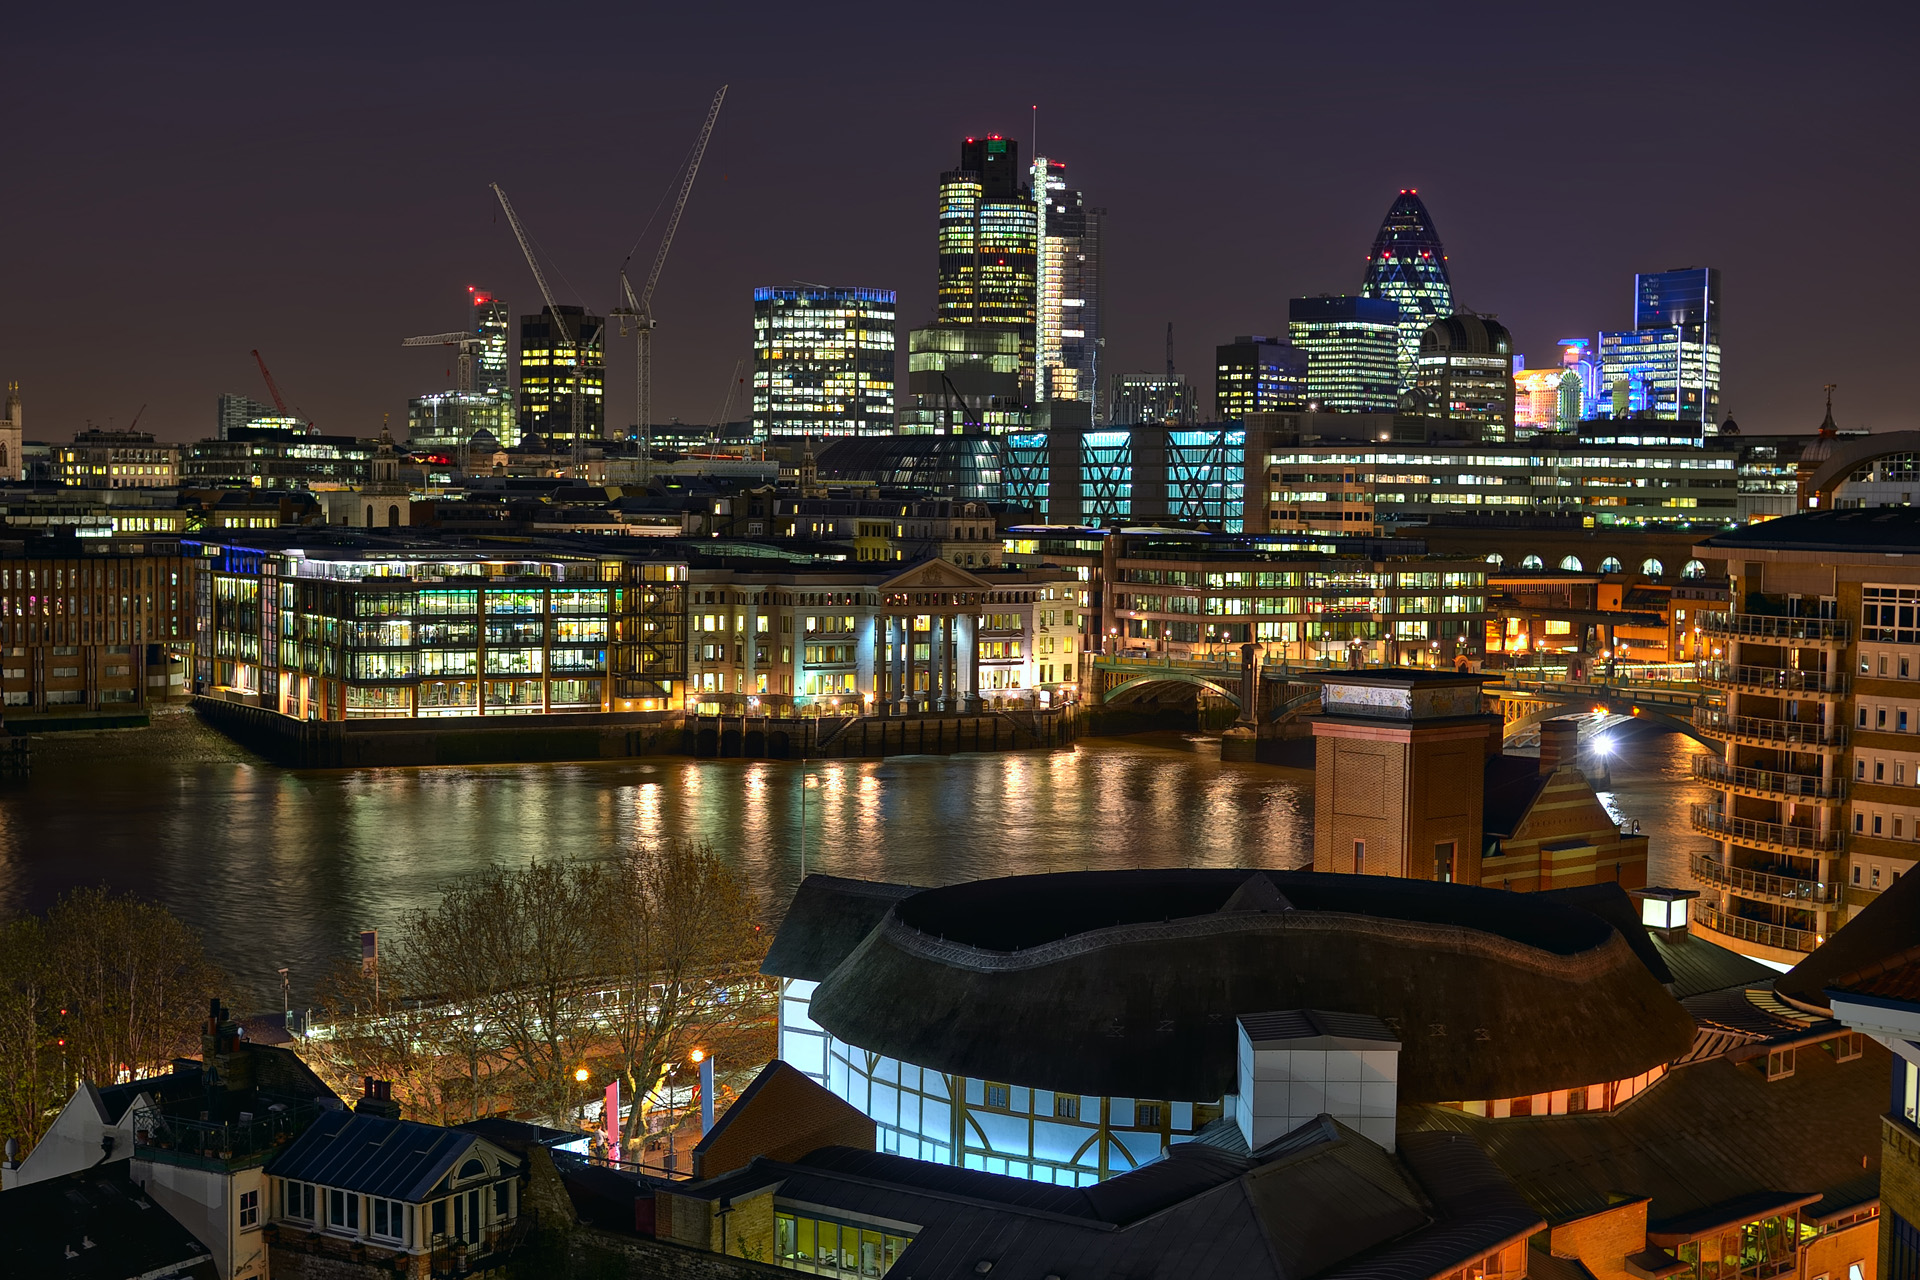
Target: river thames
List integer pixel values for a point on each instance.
(280, 868)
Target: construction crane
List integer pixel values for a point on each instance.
(466, 346)
(571, 340)
(273, 388)
(639, 309)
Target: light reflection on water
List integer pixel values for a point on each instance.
(282, 868)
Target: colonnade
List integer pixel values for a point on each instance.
(947, 679)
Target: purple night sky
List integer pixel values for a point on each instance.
(313, 181)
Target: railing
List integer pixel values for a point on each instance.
(1760, 883)
(213, 1140)
(1718, 720)
(1768, 626)
(1777, 936)
(1731, 673)
(1711, 821)
(1712, 769)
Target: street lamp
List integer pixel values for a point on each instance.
(809, 783)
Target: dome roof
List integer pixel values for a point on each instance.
(1468, 335)
(1127, 983)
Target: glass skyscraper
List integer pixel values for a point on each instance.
(823, 362)
(1068, 323)
(547, 384)
(1257, 374)
(1353, 351)
(1408, 267)
(1668, 364)
(989, 237)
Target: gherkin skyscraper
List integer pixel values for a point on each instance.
(1408, 266)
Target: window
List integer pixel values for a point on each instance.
(1880, 718)
(343, 1209)
(1873, 881)
(1863, 717)
(502, 1200)
(249, 1209)
(439, 1218)
(1901, 720)
(1359, 857)
(1879, 770)
(1066, 1106)
(1877, 819)
(998, 1095)
(1443, 862)
(1779, 1063)
(1146, 1115)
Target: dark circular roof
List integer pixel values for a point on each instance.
(1128, 983)
(1467, 334)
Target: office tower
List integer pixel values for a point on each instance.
(1152, 398)
(1408, 266)
(237, 413)
(491, 364)
(1353, 351)
(1257, 374)
(547, 382)
(965, 378)
(988, 237)
(823, 362)
(1668, 364)
(1068, 324)
(1465, 374)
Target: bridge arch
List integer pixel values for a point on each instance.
(1163, 677)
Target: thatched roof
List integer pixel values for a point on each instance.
(826, 921)
(1127, 983)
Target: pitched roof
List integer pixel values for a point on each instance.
(1513, 783)
(1321, 1201)
(1882, 935)
(94, 1225)
(1706, 1135)
(396, 1159)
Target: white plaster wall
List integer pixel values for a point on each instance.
(72, 1142)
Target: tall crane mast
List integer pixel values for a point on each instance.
(639, 309)
(572, 341)
(466, 346)
(273, 388)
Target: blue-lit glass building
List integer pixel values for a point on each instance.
(1146, 473)
(1668, 364)
(1408, 267)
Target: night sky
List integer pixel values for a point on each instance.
(177, 189)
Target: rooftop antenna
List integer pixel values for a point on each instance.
(1169, 348)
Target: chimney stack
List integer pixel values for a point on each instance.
(1559, 744)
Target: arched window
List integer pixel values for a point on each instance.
(369, 515)
(1652, 568)
(472, 1169)
(1570, 564)
(393, 517)
(1693, 569)
(1610, 565)
(1533, 562)
(1495, 558)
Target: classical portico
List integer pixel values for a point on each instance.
(926, 637)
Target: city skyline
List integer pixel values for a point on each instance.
(359, 251)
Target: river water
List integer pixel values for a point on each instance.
(282, 867)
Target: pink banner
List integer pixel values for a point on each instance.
(613, 1119)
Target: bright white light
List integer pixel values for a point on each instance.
(1604, 746)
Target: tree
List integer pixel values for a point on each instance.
(378, 1030)
(133, 978)
(436, 963)
(532, 930)
(676, 940)
(27, 1066)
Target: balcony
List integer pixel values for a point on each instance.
(1768, 626)
(1777, 936)
(1723, 724)
(1708, 820)
(1797, 786)
(1726, 675)
(1760, 884)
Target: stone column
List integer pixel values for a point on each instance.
(970, 638)
(866, 657)
(749, 620)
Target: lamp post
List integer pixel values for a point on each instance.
(811, 782)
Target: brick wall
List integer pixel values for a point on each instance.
(1603, 1240)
